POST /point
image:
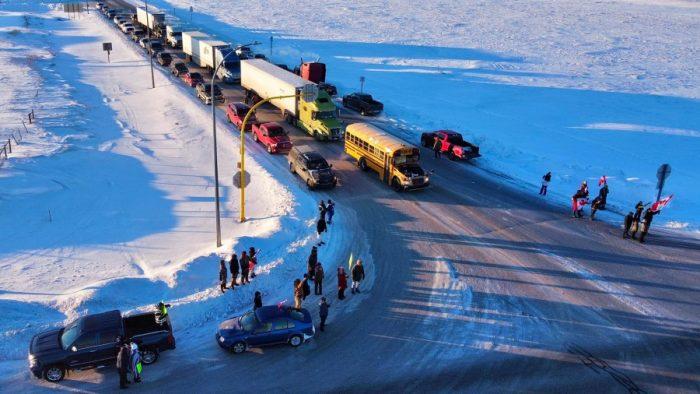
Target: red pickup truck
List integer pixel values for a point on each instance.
(273, 136)
(235, 112)
(451, 143)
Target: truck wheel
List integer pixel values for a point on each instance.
(316, 135)
(424, 142)
(291, 168)
(363, 113)
(363, 164)
(54, 373)
(229, 119)
(296, 340)
(255, 138)
(396, 185)
(452, 156)
(269, 149)
(238, 347)
(309, 185)
(149, 356)
(288, 118)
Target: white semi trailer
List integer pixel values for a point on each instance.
(150, 19)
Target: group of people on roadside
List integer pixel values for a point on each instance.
(633, 221)
(580, 198)
(245, 265)
(128, 362)
(326, 212)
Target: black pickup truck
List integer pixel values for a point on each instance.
(363, 103)
(91, 341)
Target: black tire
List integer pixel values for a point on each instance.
(255, 138)
(291, 168)
(396, 185)
(269, 149)
(309, 185)
(316, 135)
(149, 356)
(296, 340)
(229, 119)
(238, 348)
(452, 156)
(288, 118)
(363, 112)
(424, 142)
(54, 373)
(362, 163)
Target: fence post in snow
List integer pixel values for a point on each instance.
(9, 145)
(25, 127)
(4, 150)
(13, 137)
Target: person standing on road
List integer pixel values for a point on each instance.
(322, 209)
(358, 275)
(323, 312)
(234, 267)
(245, 266)
(257, 301)
(638, 209)
(311, 263)
(135, 363)
(437, 147)
(545, 182)
(305, 287)
(579, 200)
(342, 283)
(320, 229)
(252, 262)
(318, 275)
(648, 217)
(222, 275)
(603, 195)
(331, 211)
(595, 206)
(123, 353)
(628, 224)
(298, 293)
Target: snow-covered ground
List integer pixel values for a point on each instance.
(582, 89)
(111, 206)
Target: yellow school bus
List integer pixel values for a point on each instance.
(395, 160)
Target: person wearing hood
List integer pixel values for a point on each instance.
(234, 267)
(311, 263)
(222, 275)
(123, 353)
(545, 182)
(135, 364)
(342, 283)
(320, 229)
(358, 275)
(305, 286)
(245, 266)
(257, 301)
(323, 312)
(628, 224)
(638, 209)
(322, 209)
(318, 282)
(603, 195)
(648, 217)
(331, 211)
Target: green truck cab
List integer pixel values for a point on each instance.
(319, 118)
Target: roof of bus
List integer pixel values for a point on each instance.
(377, 136)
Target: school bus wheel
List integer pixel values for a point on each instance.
(363, 164)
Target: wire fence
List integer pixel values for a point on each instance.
(15, 138)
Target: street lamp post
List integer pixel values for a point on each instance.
(150, 46)
(216, 156)
(243, 125)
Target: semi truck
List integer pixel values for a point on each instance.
(190, 43)
(199, 48)
(262, 80)
(150, 19)
(173, 36)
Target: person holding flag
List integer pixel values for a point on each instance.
(579, 200)
(603, 193)
(649, 215)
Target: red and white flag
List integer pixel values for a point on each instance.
(603, 180)
(578, 203)
(661, 203)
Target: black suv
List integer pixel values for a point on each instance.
(179, 69)
(164, 59)
(363, 103)
(311, 167)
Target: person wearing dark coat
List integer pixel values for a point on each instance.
(603, 194)
(320, 229)
(234, 267)
(257, 301)
(648, 217)
(123, 362)
(222, 275)
(595, 206)
(311, 263)
(342, 283)
(545, 182)
(245, 266)
(330, 211)
(358, 275)
(628, 224)
(638, 209)
(305, 287)
(437, 147)
(322, 209)
(298, 293)
(318, 276)
(323, 311)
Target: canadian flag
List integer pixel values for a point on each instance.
(661, 203)
(578, 203)
(603, 180)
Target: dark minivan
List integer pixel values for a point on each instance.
(91, 341)
(311, 167)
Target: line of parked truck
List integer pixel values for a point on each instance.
(260, 79)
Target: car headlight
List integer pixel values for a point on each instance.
(221, 339)
(32, 361)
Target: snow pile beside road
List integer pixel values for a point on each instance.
(582, 89)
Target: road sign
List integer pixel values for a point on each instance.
(362, 84)
(662, 174)
(237, 179)
(309, 92)
(107, 47)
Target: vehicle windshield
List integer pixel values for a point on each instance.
(275, 131)
(248, 321)
(454, 139)
(404, 157)
(317, 164)
(325, 115)
(411, 170)
(243, 111)
(69, 335)
(177, 34)
(195, 76)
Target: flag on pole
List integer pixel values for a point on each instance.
(280, 304)
(661, 203)
(603, 180)
(350, 262)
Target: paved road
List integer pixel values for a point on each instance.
(479, 287)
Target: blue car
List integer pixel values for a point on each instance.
(268, 325)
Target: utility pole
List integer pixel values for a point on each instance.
(150, 49)
(271, 47)
(216, 156)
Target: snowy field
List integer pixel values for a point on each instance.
(582, 89)
(109, 203)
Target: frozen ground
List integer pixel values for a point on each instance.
(582, 89)
(111, 204)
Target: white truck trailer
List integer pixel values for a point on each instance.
(149, 19)
(262, 80)
(190, 43)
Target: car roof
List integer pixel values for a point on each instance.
(448, 132)
(270, 312)
(271, 125)
(240, 105)
(111, 319)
